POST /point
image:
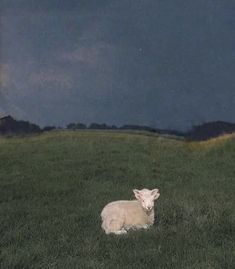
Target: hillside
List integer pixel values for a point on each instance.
(201, 132)
(54, 186)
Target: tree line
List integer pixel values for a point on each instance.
(104, 126)
(9, 125)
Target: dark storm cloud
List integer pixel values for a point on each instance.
(48, 5)
(164, 63)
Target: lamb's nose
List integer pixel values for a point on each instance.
(149, 208)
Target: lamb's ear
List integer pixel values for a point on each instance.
(137, 194)
(155, 193)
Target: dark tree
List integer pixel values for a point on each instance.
(74, 126)
(80, 126)
(9, 125)
(71, 126)
(209, 130)
(137, 127)
(48, 128)
(97, 126)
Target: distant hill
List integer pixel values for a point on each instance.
(198, 132)
(9, 125)
(210, 130)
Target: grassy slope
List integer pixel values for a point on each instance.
(53, 187)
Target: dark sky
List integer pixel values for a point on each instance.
(168, 64)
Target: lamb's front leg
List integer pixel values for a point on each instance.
(145, 226)
(140, 226)
(115, 226)
(122, 231)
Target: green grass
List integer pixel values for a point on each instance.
(54, 186)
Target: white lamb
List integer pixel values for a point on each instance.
(120, 216)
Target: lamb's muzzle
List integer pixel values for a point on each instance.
(120, 216)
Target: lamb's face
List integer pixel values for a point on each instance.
(147, 197)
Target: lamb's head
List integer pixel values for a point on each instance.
(147, 197)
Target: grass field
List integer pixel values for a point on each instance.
(54, 186)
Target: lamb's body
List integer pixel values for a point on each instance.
(120, 216)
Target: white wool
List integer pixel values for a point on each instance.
(120, 216)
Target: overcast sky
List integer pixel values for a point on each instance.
(163, 63)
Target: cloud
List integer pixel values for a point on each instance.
(141, 61)
(4, 76)
(45, 5)
(51, 78)
(89, 54)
